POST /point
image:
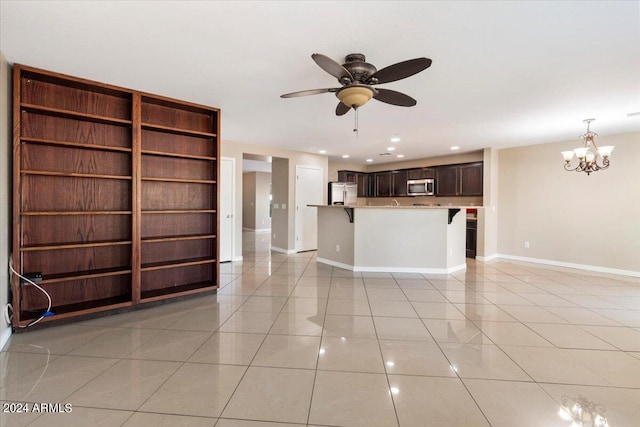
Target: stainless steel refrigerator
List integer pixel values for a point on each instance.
(343, 193)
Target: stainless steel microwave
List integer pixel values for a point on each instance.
(420, 187)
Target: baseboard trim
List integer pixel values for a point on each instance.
(257, 230)
(4, 338)
(284, 251)
(359, 269)
(237, 258)
(486, 258)
(335, 264)
(586, 267)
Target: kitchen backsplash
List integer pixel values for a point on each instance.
(426, 200)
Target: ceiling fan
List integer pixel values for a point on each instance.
(358, 78)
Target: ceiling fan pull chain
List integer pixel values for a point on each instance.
(355, 129)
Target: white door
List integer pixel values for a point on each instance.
(308, 192)
(227, 186)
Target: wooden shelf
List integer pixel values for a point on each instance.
(178, 131)
(105, 272)
(73, 174)
(74, 245)
(55, 213)
(190, 181)
(179, 263)
(44, 141)
(178, 155)
(72, 310)
(74, 115)
(174, 291)
(178, 238)
(180, 211)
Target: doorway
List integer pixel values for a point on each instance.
(308, 192)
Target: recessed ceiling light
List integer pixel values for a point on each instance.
(369, 160)
(400, 156)
(345, 156)
(455, 147)
(395, 139)
(322, 151)
(391, 148)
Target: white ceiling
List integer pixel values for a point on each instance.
(504, 73)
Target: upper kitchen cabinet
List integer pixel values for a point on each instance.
(390, 183)
(382, 185)
(364, 184)
(471, 179)
(399, 183)
(347, 176)
(420, 173)
(459, 180)
(361, 178)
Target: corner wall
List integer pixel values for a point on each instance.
(5, 191)
(570, 218)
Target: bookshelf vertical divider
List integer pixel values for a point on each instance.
(115, 196)
(136, 165)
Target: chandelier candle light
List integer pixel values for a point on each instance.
(588, 155)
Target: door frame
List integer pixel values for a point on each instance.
(296, 242)
(232, 161)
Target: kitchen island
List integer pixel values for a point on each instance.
(401, 239)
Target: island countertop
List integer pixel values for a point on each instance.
(396, 207)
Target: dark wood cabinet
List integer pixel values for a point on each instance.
(450, 180)
(399, 183)
(447, 181)
(361, 178)
(364, 185)
(115, 196)
(347, 176)
(459, 180)
(382, 184)
(390, 184)
(472, 237)
(471, 179)
(420, 173)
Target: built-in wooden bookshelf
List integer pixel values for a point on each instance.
(115, 196)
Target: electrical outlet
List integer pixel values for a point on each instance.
(284, 206)
(274, 235)
(526, 244)
(337, 248)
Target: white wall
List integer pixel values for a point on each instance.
(569, 217)
(5, 190)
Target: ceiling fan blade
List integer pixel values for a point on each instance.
(401, 70)
(394, 98)
(342, 109)
(331, 66)
(308, 92)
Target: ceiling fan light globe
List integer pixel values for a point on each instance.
(355, 96)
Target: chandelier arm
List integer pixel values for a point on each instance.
(567, 166)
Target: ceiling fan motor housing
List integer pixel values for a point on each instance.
(356, 64)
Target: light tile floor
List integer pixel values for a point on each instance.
(290, 342)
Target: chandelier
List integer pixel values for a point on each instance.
(588, 155)
(582, 412)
